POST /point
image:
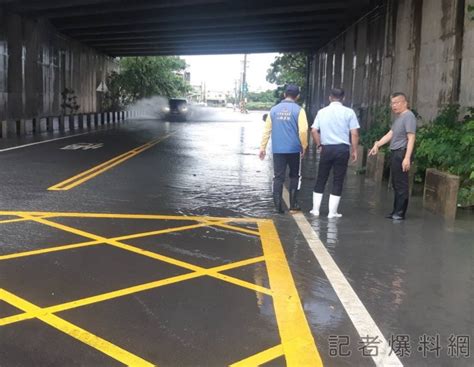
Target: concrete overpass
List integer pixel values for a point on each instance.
(178, 27)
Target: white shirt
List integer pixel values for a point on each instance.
(335, 123)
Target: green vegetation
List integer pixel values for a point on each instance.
(381, 122)
(267, 96)
(289, 68)
(261, 100)
(259, 106)
(447, 144)
(142, 77)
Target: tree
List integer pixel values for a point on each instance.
(289, 68)
(267, 96)
(142, 77)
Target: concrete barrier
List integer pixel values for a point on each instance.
(441, 193)
(62, 123)
(375, 166)
(57, 123)
(41, 125)
(75, 122)
(28, 127)
(80, 121)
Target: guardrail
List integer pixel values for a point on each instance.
(62, 123)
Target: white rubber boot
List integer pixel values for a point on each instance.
(333, 205)
(316, 203)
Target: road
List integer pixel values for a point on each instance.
(156, 243)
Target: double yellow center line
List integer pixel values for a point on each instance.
(97, 170)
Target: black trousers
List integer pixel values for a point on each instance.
(280, 162)
(399, 182)
(335, 157)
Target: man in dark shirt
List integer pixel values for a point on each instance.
(402, 141)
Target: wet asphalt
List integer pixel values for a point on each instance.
(415, 278)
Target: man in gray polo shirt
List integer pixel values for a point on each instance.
(402, 141)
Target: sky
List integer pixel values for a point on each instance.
(220, 72)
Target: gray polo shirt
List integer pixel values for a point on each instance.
(403, 124)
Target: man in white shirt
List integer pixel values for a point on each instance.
(335, 130)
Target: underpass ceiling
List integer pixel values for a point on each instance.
(189, 27)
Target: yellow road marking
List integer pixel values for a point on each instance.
(98, 242)
(48, 250)
(13, 220)
(126, 291)
(297, 340)
(76, 332)
(152, 255)
(101, 168)
(298, 344)
(129, 216)
(6, 221)
(260, 358)
(238, 229)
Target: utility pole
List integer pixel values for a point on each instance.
(244, 90)
(236, 93)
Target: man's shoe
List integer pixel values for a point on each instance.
(398, 217)
(294, 206)
(317, 197)
(333, 205)
(277, 200)
(389, 216)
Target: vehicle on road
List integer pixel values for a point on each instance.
(177, 109)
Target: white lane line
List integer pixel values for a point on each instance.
(43, 142)
(354, 307)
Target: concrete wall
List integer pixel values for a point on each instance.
(424, 48)
(467, 71)
(37, 63)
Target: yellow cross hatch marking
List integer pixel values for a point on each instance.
(261, 358)
(297, 343)
(76, 332)
(125, 292)
(130, 216)
(99, 242)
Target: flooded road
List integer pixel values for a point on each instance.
(156, 243)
